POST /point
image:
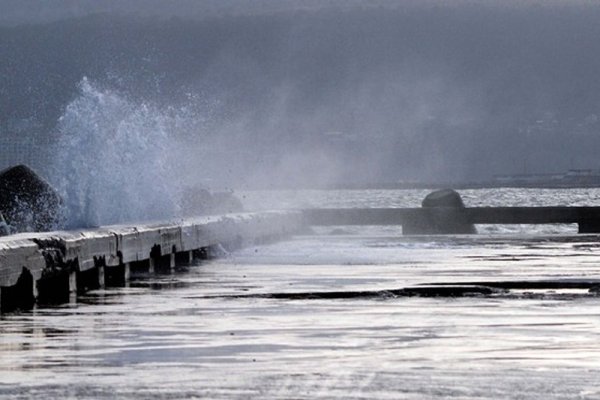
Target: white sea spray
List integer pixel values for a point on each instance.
(114, 159)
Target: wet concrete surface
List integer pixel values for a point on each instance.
(214, 330)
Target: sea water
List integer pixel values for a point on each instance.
(208, 331)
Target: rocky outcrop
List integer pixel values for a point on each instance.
(443, 198)
(4, 227)
(443, 216)
(28, 202)
(199, 201)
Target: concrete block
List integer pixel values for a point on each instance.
(87, 247)
(21, 295)
(17, 252)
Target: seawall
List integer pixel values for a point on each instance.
(53, 266)
(420, 220)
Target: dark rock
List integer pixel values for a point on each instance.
(196, 201)
(28, 202)
(199, 201)
(443, 198)
(443, 216)
(226, 202)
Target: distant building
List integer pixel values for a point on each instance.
(528, 178)
(579, 173)
(585, 177)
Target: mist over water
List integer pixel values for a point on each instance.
(311, 94)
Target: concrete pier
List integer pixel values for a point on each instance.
(53, 267)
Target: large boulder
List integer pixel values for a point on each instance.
(196, 201)
(226, 202)
(442, 215)
(443, 198)
(199, 201)
(28, 202)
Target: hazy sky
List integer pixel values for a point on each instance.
(28, 11)
(319, 91)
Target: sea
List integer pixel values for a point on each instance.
(253, 325)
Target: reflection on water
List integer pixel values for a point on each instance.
(180, 336)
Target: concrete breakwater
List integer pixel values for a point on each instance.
(442, 220)
(52, 267)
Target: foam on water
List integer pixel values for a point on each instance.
(114, 159)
